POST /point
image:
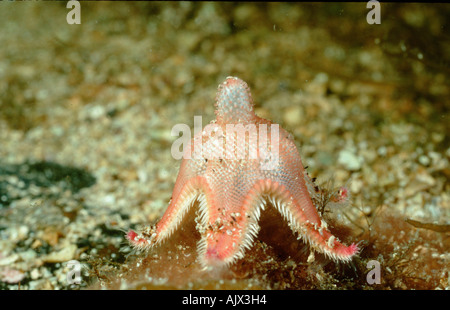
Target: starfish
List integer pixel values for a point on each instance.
(231, 191)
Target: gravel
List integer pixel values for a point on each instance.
(86, 113)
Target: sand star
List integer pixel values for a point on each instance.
(232, 191)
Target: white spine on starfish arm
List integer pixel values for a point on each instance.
(150, 234)
(251, 231)
(304, 232)
(180, 212)
(253, 226)
(330, 242)
(144, 240)
(203, 220)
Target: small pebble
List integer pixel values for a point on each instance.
(349, 160)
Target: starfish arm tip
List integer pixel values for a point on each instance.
(354, 249)
(346, 253)
(131, 235)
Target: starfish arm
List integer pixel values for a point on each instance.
(169, 222)
(187, 189)
(230, 234)
(316, 234)
(179, 205)
(230, 231)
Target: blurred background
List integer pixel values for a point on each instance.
(86, 113)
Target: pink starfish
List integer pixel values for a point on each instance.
(232, 192)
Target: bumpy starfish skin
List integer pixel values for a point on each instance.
(231, 192)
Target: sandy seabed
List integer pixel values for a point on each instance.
(86, 113)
